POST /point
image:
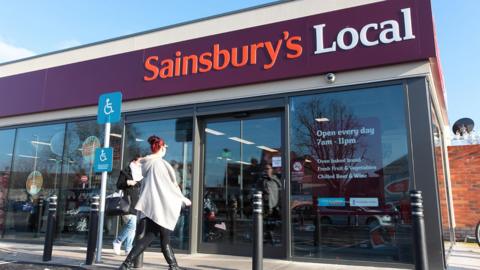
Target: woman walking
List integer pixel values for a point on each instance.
(160, 203)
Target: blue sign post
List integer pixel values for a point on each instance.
(109, 111)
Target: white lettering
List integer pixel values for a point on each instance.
(341, 38)
(407, 24)
(348, 38)
(394, 30)
(364, 35)
(320, 46)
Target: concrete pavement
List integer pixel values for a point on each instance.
(464, 257)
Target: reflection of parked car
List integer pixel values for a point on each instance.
(336, 215)
(355, 216)
(76, 220)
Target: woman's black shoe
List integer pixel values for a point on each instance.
(126, 265)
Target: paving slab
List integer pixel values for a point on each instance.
(29, 256)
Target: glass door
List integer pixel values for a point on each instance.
(242, 154)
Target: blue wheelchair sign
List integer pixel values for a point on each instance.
(109, 108)
(103, 160)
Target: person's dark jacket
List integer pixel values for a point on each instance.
(130, 192)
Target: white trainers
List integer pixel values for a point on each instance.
(117, 247)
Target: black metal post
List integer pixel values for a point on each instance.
(39, 215)
(51, 223)
(318, 230)
(92, 230)
(257, 260)
(233, 219)
(419, 238)
(139, 234)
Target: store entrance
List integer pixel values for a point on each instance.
(242, 153)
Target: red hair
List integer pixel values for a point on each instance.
(155, 143)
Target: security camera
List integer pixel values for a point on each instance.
(330, 77)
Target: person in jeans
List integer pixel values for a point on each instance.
(160, 203)
(129, 183)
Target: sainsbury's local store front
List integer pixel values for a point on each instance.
(241, 98)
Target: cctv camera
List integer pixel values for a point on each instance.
(330, 77)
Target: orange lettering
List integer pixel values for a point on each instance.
(151, 67)
(194, 59)
(253, 52)
(244, 57)
(178, 63)
(272, 53)
(216, 57)
(167, 70)
(296, 48)
(205, 61)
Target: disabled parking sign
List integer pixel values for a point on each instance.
(103, 160)
(109, 108)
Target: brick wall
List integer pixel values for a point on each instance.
(465, 178)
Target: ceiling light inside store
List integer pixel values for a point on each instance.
(214, 132)
(241, 140)
(243, 162)
(322, 119)
(139, 140)
(41, 143)
(115, 135)
(267, 148)
(26, 156)
(9, 154)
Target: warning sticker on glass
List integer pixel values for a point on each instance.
(276, 162)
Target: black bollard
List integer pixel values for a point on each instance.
(39, 215)
(92, 230)
(420, 242)
(51, 223)
(257, 260)
(139, 234)
(233, 219)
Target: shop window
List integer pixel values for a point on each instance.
(6, 154)
(350, 176)
(177, 134)
(35, 176)
(80, 183)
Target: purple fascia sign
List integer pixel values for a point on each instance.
(378, 34)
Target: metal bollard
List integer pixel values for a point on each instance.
(139, 234)
(257, 260)
(39, 215)
(92, 230)
(51, 223)
(232, 212)
(418, 222)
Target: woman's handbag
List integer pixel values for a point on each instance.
(116, 205)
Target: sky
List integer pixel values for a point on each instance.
(32, 27)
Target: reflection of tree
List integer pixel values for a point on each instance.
(305, 129)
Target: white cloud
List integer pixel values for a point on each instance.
(69, 43)
(9, 52)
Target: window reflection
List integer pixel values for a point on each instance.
(242, 156)
(79, 181)
(35, 175)
(6, 154)
(349, 175)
